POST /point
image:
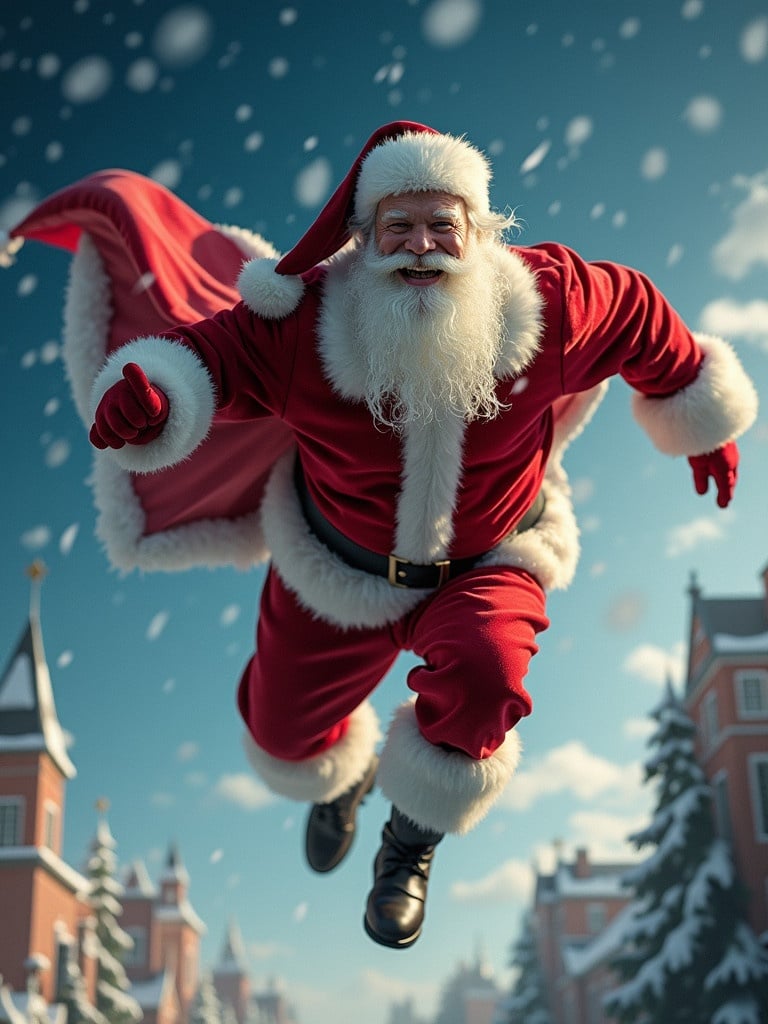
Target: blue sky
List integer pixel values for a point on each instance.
(630, 131)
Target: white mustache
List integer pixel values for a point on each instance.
(381, 264)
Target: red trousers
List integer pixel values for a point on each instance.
(475, 636)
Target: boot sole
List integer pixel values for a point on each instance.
(403, 943)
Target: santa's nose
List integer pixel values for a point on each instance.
(419, 240)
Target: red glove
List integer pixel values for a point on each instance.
(722, 465)
(133, 411)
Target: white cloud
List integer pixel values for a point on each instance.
(512, 880)
(688, 536)
(638, 728)
(604, 835)
(730, 319)
(243, 789)
(655, 665)
(745, 245)
(571, 768)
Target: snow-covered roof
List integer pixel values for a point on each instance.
(76, 882)
(28, 719)
(581, 959)
(138, 884)
(233, 959)
(730, 644)
(182, 911)
(14, 1007)
(152, 992)
(733, 625)
(604, 882)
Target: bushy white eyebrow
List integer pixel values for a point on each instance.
(442, 213)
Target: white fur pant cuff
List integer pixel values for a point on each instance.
(441, 790)
(326, 776)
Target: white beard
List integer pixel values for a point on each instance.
(430, 352)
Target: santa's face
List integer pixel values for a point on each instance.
(419, 223)
(426, 304)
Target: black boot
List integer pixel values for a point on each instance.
(395, 911)
(331, 826)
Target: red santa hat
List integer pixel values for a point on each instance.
(399, 157)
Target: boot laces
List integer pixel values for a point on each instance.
(399, 855)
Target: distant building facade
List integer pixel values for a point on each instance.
(726, 695)
(578, 916)
(580, 909)
(46, 918)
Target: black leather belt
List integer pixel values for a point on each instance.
(398, 571)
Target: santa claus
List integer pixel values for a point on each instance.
(429, 376)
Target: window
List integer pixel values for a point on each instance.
(722, 809)
(11, 809)
(710, 720)
(50, 822)
(137, 955)
(759, 779)
(752, 693)
(63, 959)
(595, 918)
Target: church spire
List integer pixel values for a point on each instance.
(28, 719)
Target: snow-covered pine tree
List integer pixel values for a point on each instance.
(113, 998)
(73, 995)
(206, 1008)
(526, 1004)
(688, 956)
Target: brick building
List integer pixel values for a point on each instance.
(580, 909)
(45, 915)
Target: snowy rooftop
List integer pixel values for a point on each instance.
(60, 869)
(138, 884)
(579, 960)
(149, 993)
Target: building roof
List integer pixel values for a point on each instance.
(604, 881)
(733, 625)
(28, 719)
(579, 959)
(233, 959)
(151, 993)
(138, 885)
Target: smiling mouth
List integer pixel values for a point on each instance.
(420, 275)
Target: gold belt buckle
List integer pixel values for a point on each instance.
(395, 574)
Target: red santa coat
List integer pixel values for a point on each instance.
(442, 489)
(256, 382)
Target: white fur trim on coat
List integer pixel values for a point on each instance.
(267, 293)
(326, 776)
(121, 521)
(324, 583)
(441, 790)
(718, 406)
(188, 385)
(423, 162)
